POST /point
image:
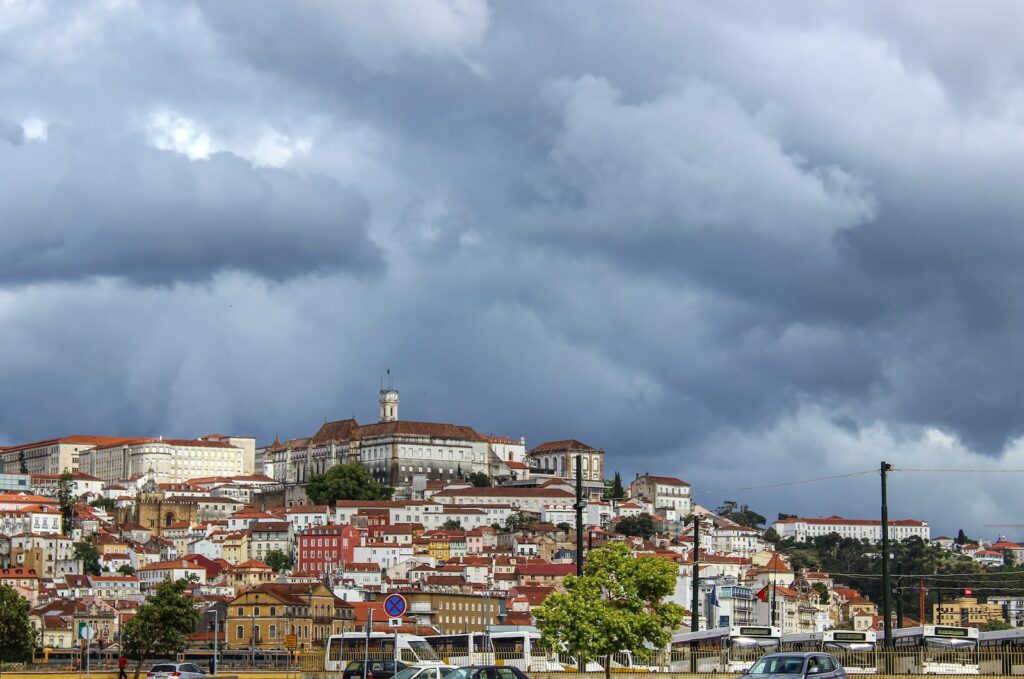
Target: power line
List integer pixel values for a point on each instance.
(931, 576)
(961, 471)
(782, 484)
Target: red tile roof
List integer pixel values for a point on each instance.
(559, 446)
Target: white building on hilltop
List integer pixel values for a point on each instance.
(392, 450)
(802, 529)
(169, 460)
(663, 492)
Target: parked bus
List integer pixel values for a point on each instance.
(856, 650)
(1002, 652)
(343, 648)
(934, 649)
(518, 648)
(725, 649)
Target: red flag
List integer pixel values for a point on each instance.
(763, 595)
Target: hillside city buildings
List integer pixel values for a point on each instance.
(269, 566)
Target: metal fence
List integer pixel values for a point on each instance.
(703, 664)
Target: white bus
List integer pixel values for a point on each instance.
(343, 648)
(934, 649)
(725, 649)
(856, 650)
(518, 648)
(1002, 652)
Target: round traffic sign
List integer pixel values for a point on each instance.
(395, 606)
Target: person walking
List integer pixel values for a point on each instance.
(122, 662)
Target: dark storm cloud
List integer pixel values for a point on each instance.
(77, 208)
(12, 133)
(717, 240)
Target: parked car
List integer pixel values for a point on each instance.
(185, 670)
(487, 672)
(376, 669)
(434, 672)
(789, 665)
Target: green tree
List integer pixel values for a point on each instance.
(17, 638)
(126, 569)
(480, 480)
(66, 499)
(997, 625)
(641, 525)
(278, 560)
(22, 465)
(741, 515)
(616, 491)
(822, 591)
(771, 536)
(90, 558)
(104, 503)
(345, 482)
(563, 526)
(517, 521)
(451, 524)
(962, 539)
(619, 604)
(161, 625)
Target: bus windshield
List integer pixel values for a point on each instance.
(750, 648)
(423, 650)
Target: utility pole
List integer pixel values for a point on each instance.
(886, 584)
(920, 600)
(579, 515)
(695, 595)
(898, 591)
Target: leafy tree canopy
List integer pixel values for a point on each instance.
(66, 499)
(345, 482)
(17, 638)
(517, 520)
(615, 491)
(742, 515)
(563, 526)
(451, 524)
(641, 525)
(618, 604)
(161, 624)
(126, 569)
(480, 480)
(278, 560)
(90, 558)
(997, 625)
(105, 503)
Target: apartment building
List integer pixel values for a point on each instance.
(802, 529)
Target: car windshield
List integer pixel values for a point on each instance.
(423, 651)
(354, 665)
(779, 664)
(163, 668)
(461, 673)
(408, 673)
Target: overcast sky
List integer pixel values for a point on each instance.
(734, 242)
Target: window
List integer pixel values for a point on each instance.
(256, 611)
(241, 611)
(273, 631)
(273, 611)
(239, 632)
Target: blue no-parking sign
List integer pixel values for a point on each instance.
(395, 606)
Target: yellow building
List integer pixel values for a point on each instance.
(966, 612)
(274, 614)
(452, 612)
(236, 547)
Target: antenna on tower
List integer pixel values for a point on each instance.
(391, 384)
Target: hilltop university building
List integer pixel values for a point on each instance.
(393, 450)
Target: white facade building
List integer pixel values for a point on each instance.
(662, 492)
(802, 529)
(52, 456)
(167, 460)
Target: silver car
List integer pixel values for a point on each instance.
(791, 665)
(185, 670)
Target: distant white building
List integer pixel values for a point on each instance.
(168, 460)
(802, 529)
(52, 456)
(662, 492)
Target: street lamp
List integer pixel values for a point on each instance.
(252, 628)
(215, 626)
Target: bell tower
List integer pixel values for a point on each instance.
(388, 401)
